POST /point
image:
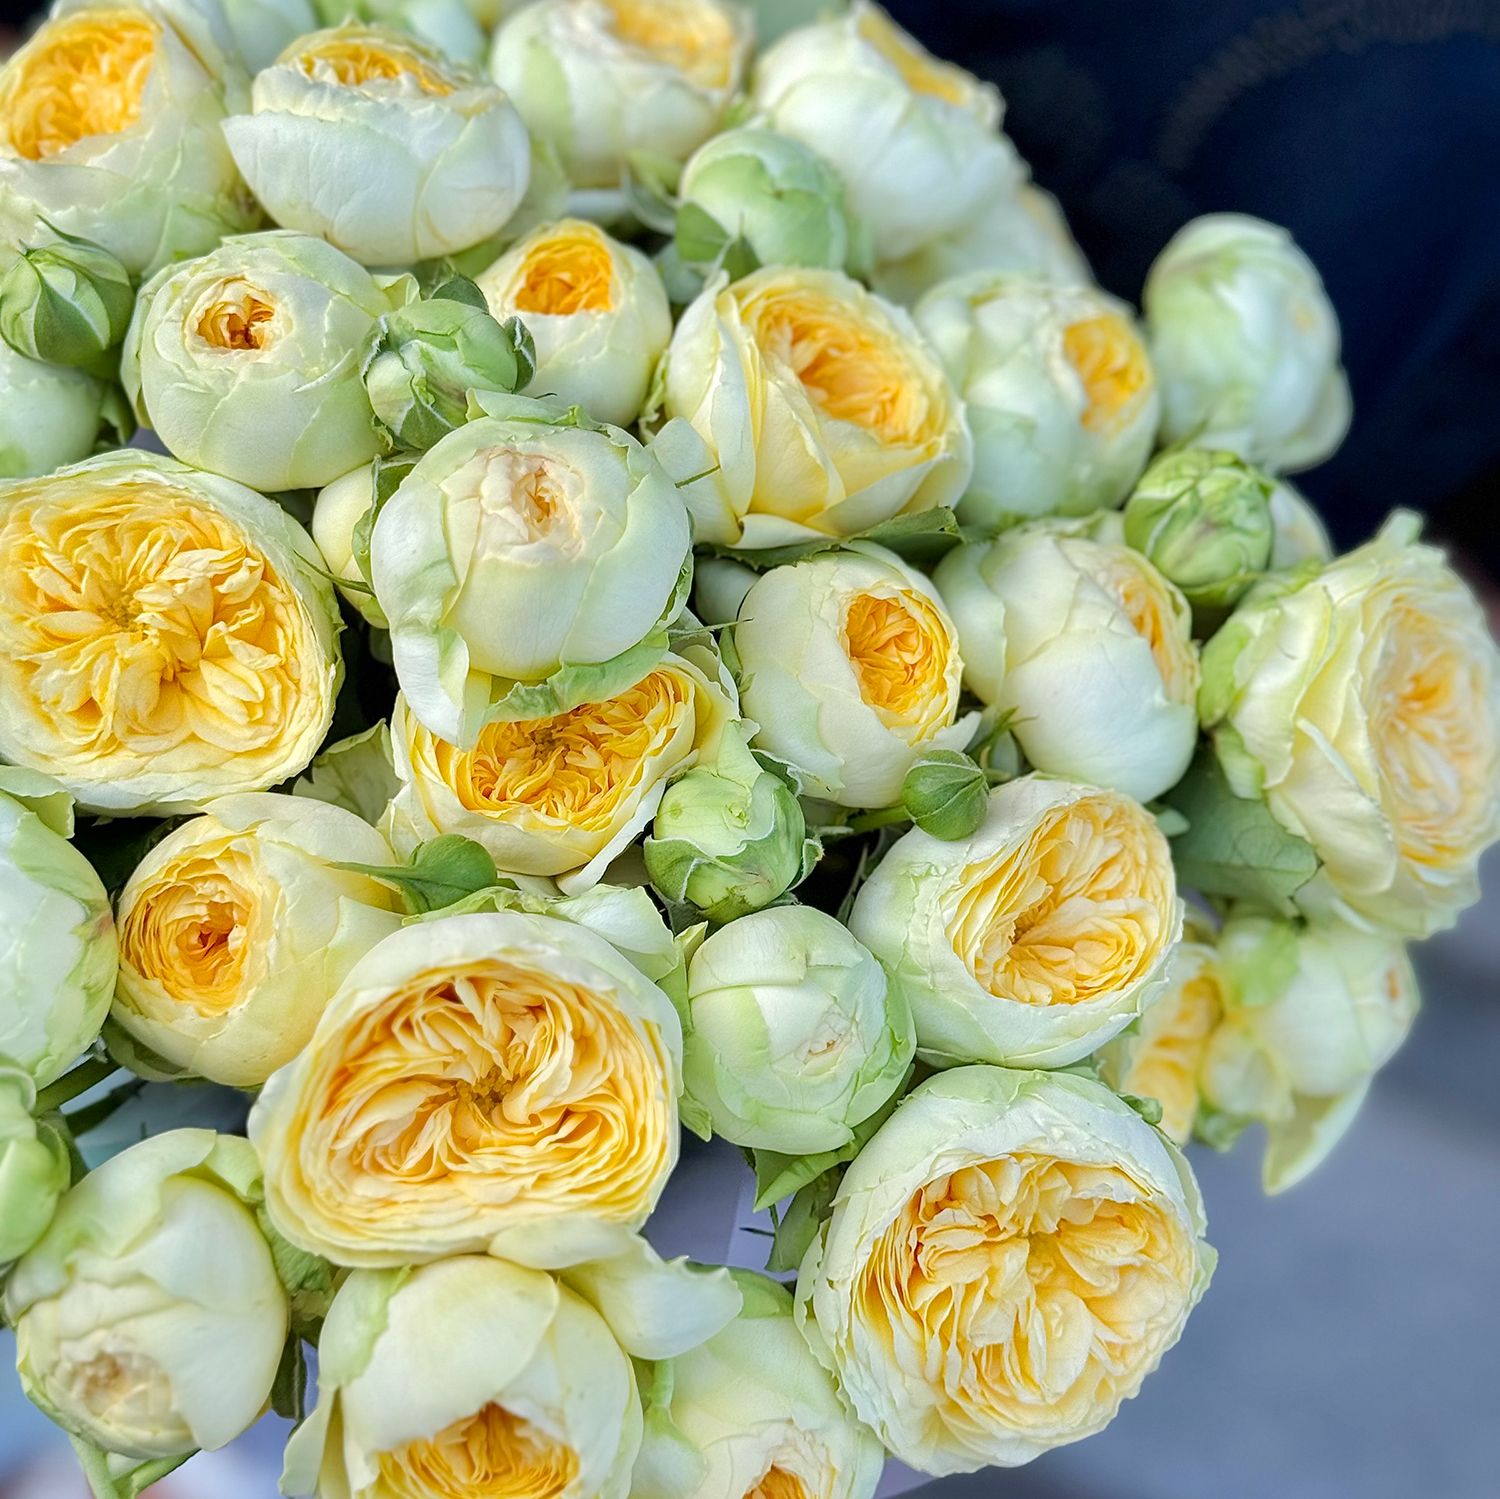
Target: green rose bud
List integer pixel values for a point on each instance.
(1203, 517)
(945, 793)
(432, 353)
(34, 1167)
(728, 838)
(767, 200)
(66, 303)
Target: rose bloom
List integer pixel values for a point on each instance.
(849, 664)
(238, 925)
(475, 1076)
(1364, 705)
(820, 404)
(1037, 938)
(110, 122)
(596, 311)
(166, 636)
(560, 795)
(1007, 1260)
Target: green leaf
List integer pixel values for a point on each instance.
(921, 539)
(442, 870)
(460, 289)
(1148, 1108)
(799, 1225)
(289, 1388)
(308, 1280)
(1232, 846)
(1218, 1130)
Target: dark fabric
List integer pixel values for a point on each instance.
(1370, 128)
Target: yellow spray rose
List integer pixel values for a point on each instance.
(166, 636)
(560, 795)
(109, 130)
(488, 1080)
(1008, 1258)
(817, 405)
(1037, 938)
(1161, 1055)
(238, 926)
(469, 1379)
(850, 665)
(1364, 706)
(596, 310)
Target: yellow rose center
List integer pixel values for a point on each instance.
(779, 1484)
(463, 1096)
(356, 60)
(236, 316)
(921, 72)
(83, 74)
(852, 367)
(137, 623)
(578, 768)
(565, 273)
(1111, 363)
(1082, 908)
(1431, 733)
(1027, 1288)
(900, 648)
(189, 929)
(1166, 1058)
(693, 38)
(492, 1454)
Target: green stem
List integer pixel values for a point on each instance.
(883, 817)
(71, 1084)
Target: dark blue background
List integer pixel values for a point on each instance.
(1370, 128)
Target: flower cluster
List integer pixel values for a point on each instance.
(659, 595)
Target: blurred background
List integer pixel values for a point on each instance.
(1351, 1342)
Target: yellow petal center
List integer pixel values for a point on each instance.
(567, 272)
(779, 1484)
(83, 74)
(852, 368)
(1111, 363)
(1082, 908)
(461, 1097)
(137, 623)
(1027, 1289)
(575, 769)
(900, 648)
(236, 316)
(492, 1454)
(356, 60)
(693, 38)
(190, 928)
(1148, 605)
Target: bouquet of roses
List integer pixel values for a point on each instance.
(670, 599)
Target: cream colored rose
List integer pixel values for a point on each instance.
(238, 926)
(468, 1379)
(166, 636)
(1161, 1055)
(850, 665)
(817, 407)
(561, 795)
(1036, 939)
(596, 311)
(1364, 705)
(1008, 1258)
(476, 1077)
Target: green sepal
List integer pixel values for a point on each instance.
(442, 870)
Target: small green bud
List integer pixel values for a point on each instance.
(1203, 518)
(945, 793)
(34, 1167)
(67, 303)
(752, 197)
(728, 838)
(432, 353)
